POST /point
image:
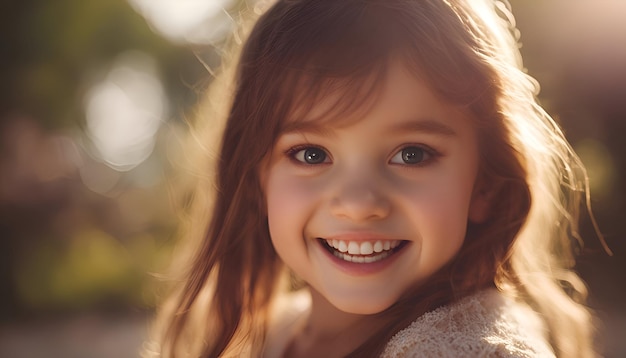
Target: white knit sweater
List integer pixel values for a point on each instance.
(486, 324)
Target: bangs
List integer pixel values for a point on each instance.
(326, 61)
(329, 100)
(330, 58)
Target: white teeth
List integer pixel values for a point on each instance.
(366, 248)
(367, 251)
(361, 259)
(353, 248)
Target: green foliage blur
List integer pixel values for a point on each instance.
(64, 247)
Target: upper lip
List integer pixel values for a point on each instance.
(358, 236)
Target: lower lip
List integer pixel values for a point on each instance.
(362, 269)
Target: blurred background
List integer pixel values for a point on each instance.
(94, 101)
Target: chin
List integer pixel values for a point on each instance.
(363, 306)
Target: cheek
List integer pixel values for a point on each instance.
(439, 207)
(442, 227)
(452, 202)
(442, 195)
(290, 203)
(440, 213)
(287, 197)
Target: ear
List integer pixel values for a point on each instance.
(480, 206)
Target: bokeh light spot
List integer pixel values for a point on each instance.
(125, 111)
(191, 21)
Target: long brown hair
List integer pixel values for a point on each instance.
(299, 52)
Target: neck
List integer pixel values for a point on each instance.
(326, 319)
(331, 332)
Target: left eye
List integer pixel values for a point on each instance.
(411, 155)
(310, 155)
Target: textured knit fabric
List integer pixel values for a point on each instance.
(486, 324)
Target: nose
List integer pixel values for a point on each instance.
(360, 198)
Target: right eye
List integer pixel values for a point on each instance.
(309, 155)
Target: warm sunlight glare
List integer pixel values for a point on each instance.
(125, 111)
(191, 21)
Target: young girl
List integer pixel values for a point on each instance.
(386, 185)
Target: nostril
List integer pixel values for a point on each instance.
(366, 206)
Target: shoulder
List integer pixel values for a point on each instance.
(484, 324)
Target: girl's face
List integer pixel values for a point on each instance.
(363, 212)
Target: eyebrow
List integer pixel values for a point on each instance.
(424, 125)
(307, 127)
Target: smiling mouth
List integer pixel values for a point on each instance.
(362, 252)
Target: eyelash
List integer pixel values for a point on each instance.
(430, 152)
(291, 153)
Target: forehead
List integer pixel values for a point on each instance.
(332, 100)
(329, 67)
(395, 89)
